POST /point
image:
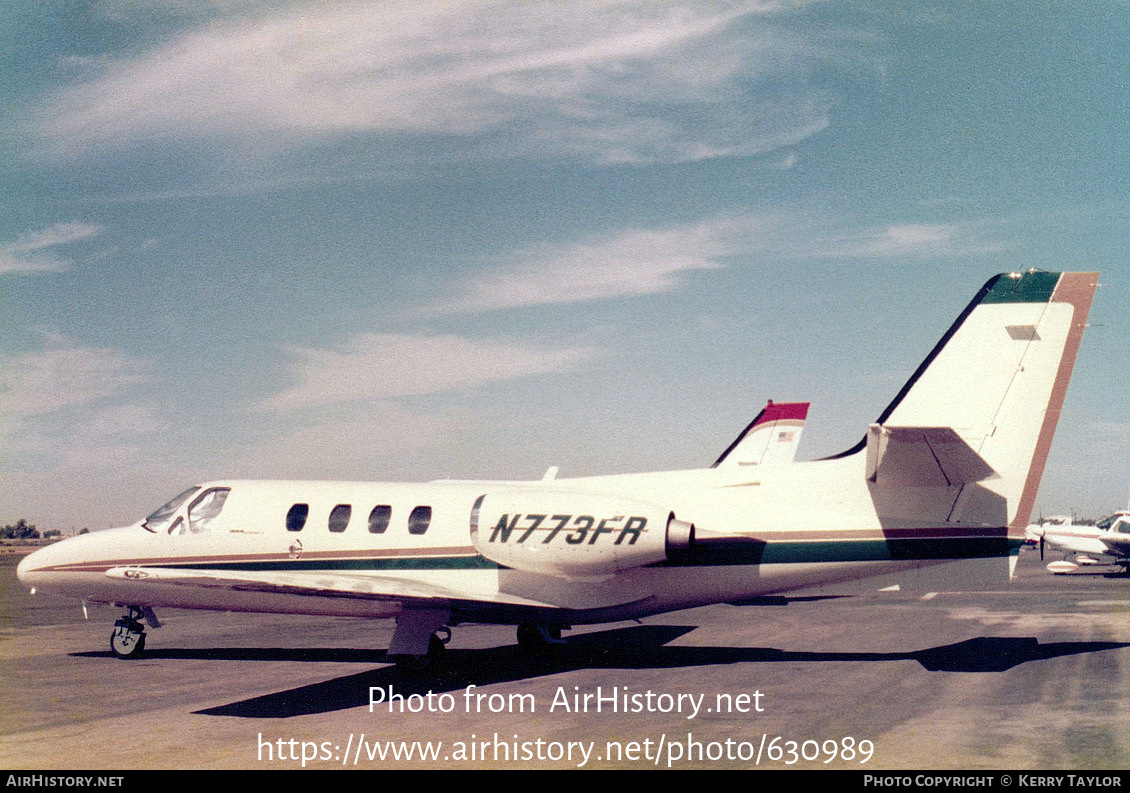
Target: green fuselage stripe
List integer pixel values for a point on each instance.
(418, 563)
(725, 551)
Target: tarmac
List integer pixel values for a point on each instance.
(1030, 674)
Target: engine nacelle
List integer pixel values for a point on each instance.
(574, 535)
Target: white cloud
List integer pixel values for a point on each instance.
(1116, 432)
(32, 252)
(631, 262)
(59, 234)
(826, 239)
(788, 161)
(384, 366)
(67, 408)
(129, 9)
(921, 239)
(365, 444)
(632, 80)
(641, 262)
(62, 376)
(125, 420)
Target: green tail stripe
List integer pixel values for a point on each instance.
(1030, 287)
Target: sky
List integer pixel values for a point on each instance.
(474, 239)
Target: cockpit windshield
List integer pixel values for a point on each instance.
(206, 508)
(159, 520)
(1118, 522)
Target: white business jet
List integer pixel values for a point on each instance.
(937, 493)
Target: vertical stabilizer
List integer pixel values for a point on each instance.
(985, 402)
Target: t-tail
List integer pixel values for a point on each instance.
(977, 417)
(771, 438)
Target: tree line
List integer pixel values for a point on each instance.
(22, 530)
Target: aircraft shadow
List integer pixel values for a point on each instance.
(636, 647)
(304, 654)
(780, 600)
(1104, 571)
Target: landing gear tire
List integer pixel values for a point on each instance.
(538, 639)
(416, 665)
(128, 638)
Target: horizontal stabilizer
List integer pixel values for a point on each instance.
(922, 457)
(771, 438)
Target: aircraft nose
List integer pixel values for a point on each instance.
(34, 569)
(54, 567)
(26, 569)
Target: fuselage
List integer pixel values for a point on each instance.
(377, 545)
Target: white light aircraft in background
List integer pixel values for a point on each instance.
(1108, 539)
(937, 493)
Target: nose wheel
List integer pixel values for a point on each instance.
(128, 637)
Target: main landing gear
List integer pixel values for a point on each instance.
(430, 661)
(128, 638)
(539, 639)
(534, 639)
(419, 642)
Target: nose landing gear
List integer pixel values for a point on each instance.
(128, 637)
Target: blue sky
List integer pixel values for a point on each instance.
(475, 239)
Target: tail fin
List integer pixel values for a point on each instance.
(772, 436)
(980, 412)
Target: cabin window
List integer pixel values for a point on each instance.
(296, 517)
(379, 518)
(206, 508)
(419, 519)
(339, 517)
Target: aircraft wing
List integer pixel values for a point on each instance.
(315, 584)
(1118, 545)
(512, 588)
